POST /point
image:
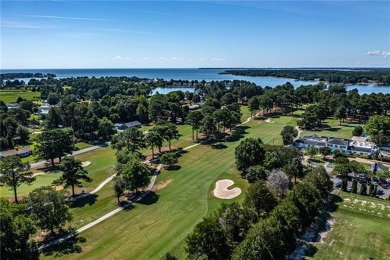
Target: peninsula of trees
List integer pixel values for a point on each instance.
(353, 76)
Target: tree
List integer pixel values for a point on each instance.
(15, 231)
(234, 221)
(354, 186)
(324, 151)
(49, 209)
(375, 191)
(169, 159)
(23, 133)
(13, 172)
(53, 99)
(288, 134)
(378, 127)
(340, 114)
(248, 153)
(54, 144)
(344, 184)
(294, 168)
(271, 161)
(253, 105)
(208, 125)
(154, 139)
(134, 174)
(119, 187)
(208, 240)
(260, 198)
(363, 189)
(357, 131)
(106, 128)
(171, 133)
(279, 182)
(131, 140)
(255, 173)
(371, 190)
(72, 173)
(195, 119)
(312, 151)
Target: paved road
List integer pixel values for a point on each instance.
(43, 163)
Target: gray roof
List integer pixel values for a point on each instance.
(338, 141)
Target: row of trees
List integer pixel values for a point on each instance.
(380, 76)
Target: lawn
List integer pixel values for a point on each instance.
(361, 230)
(10, 96)
(82, 145)
(334, 129)
(162, 222)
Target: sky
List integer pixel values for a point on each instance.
(186, 34)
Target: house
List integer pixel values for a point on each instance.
(124, 126)
(335, 143)
(365, 148)
(21, 152)
(311, 141)
(338, 144)
(12, 105)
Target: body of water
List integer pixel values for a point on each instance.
(188, 74)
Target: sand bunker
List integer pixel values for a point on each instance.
(268, 120)
(221, 190)
(85, 164)
(38, 173)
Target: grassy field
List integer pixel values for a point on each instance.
(10, 96)
(161, 223)
(361, 230)
(334, 129)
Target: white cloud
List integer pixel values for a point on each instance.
(163, 58)
(145, 58)
(217, 59)
(68, 18)
(385, 54)
(120, 58)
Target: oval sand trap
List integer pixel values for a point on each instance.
(221, 190)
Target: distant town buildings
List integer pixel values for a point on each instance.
(347, 146)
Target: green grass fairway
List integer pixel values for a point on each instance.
(161, 224)
(361, 230)
(24, 189)
(334, 130)
(10, 96)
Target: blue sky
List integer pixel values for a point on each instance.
(153, 34)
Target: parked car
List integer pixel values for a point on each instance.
(349, 188)
(337, 184)
(379, 192)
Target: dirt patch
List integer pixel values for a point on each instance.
(59, 187)
(161, 185)
(221, 190)
(85, 164)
